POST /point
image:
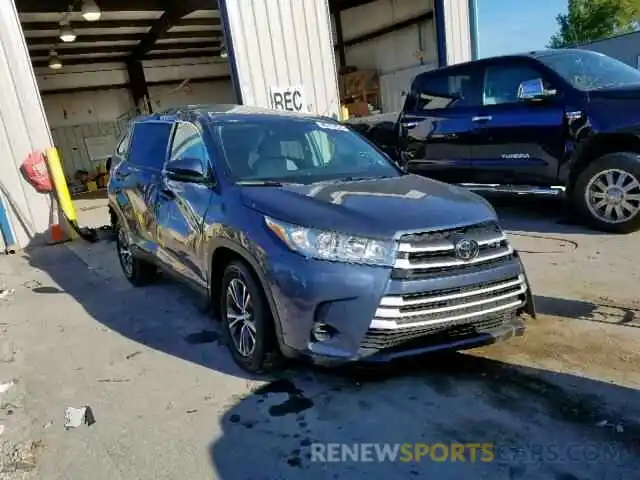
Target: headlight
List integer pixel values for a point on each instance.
(333, 246)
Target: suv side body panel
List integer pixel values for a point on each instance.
(135, 185)
(182, 207)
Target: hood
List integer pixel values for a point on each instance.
(377, 208)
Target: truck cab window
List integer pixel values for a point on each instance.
(501, 83)
(442, 91)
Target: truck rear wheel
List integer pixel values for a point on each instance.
(607, 193)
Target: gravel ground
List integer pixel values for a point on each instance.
(560, 403)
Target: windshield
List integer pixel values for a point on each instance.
(587, 70)
(298, 151)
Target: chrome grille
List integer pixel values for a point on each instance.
(422, 255)
(449, 306)
(406, 338)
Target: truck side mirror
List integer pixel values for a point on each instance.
(533, 90)
(403, 161)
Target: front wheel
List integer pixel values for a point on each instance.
(247, 320)
(607, 193)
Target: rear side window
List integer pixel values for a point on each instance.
(149, 144)
(441, 91)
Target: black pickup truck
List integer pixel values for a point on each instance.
(563, 122)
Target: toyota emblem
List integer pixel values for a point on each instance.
(467, 250)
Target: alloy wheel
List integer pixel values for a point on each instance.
(613, 196)
(124, 253)
(240, 319)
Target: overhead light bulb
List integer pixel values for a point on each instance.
(90, 11)
(66, 32)
(54, 61)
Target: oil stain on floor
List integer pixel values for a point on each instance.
(294, 404)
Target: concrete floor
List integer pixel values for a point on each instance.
(560, 403)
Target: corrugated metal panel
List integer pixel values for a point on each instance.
(23, 129)
(395, 56)
(70, 141)
(393, 86)
(457, 26)
(388, 53)
(378, 14)
(625, 48)
(283, 43)
(167, 96)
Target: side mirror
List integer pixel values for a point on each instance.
(403, 161)
(533, 90)
(187, 169)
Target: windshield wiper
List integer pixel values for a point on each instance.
(358, 179)
(259, 183)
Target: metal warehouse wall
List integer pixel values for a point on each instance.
(167, 96)
(101, 108)
(455, 18)
(280, 44)
(397, 56)
(23, 129)
(71, 142)
(625, 48)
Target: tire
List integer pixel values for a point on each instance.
(264, 356)
(605, 204)
(137, 271)
(113, 219)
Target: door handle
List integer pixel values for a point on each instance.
(482, 118)
(411, 124)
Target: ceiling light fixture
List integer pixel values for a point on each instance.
(90, 11)
(66, 32)
(54, 60)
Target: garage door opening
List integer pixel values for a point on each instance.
(381, 45)
(100, 63)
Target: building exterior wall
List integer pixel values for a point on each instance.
(625, 48)
(23, 129)
(455, 31)
(280, 44)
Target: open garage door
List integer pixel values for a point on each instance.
(100, 63)
(381, 45)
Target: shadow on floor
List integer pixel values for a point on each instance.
(541, 215)
(538, 424)
(165, 316)
(600, 312)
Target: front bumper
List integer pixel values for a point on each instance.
(473, 335)
(374, 316)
